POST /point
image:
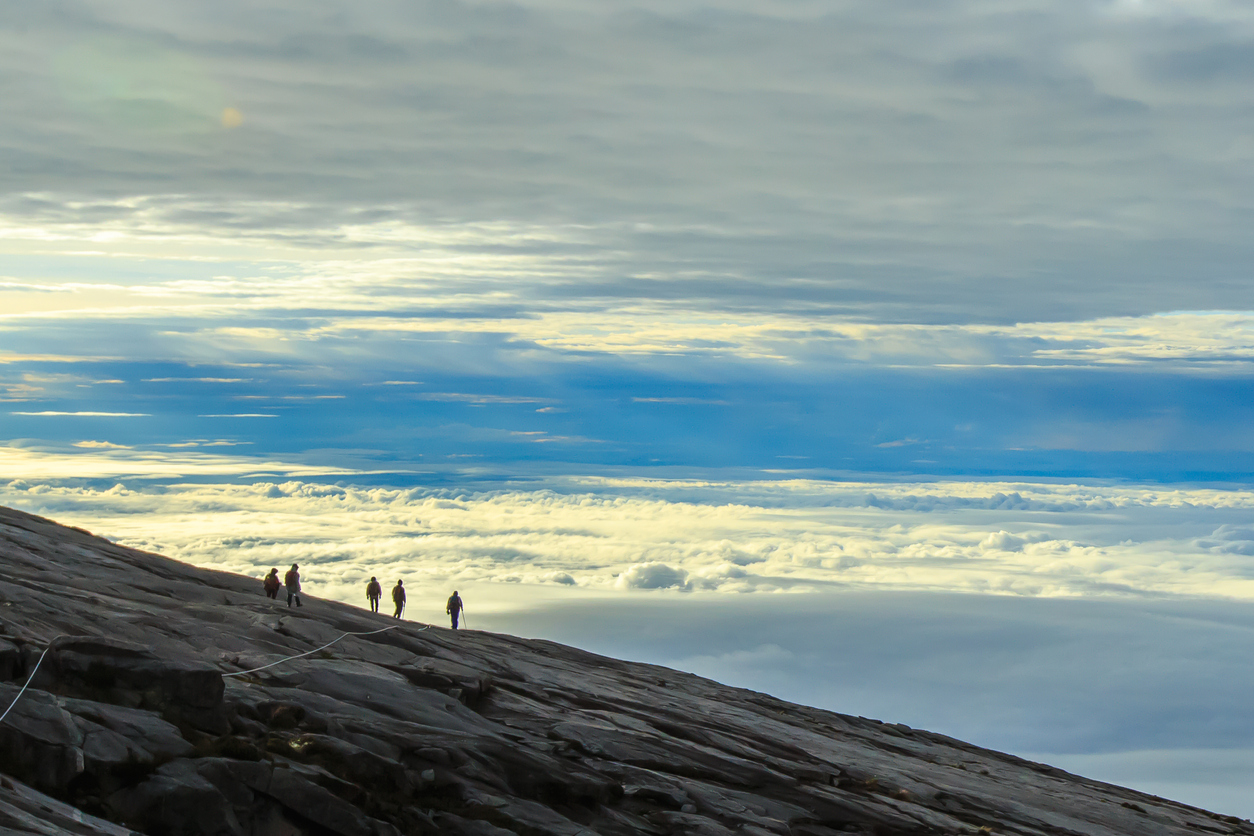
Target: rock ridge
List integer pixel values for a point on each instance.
(132, 725)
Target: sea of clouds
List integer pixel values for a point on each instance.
(690, 536)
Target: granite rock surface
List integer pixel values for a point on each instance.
(141, 719)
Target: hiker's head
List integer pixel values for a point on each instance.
(294, 566)
(400, 582)
(274, 571)
(454, 591)
(373, 579)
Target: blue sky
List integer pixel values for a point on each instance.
(650, 311)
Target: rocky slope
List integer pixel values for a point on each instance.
(131, 725)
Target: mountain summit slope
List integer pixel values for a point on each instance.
(130, 724)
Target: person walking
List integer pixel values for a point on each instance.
(292, 581)
(373, 593)
(272, 584)
(398, 598)
(454, 607)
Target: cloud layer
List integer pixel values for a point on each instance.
(939, 166)
(1036, 540)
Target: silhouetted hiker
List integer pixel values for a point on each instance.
(271, 584)
(398, 598)
(373, 593)
(292, 581)
(454, 607)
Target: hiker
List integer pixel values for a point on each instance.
(454, 607)
(373, 593)
(292, 581)
(398, 598)
(271, 584)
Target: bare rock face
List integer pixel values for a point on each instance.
(25, 810)
(135, 723)
(126, 673)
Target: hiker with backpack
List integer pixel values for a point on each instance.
(272, 584)
(398, 598)
(292, 581)
(454, 607)
(373, 593)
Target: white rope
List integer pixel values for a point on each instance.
(28, 679)
(316, 649)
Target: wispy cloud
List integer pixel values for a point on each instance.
(683, 401)
(197, 380)
(459, 397)
(95, 460)
(88, 414)
(14, 357)
(30, 287)
(287, 397)
(221, 442)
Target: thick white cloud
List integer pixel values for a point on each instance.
(1229, 539)
(651, 576)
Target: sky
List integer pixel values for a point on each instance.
(891, 358)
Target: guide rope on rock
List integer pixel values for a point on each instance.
(31, 677)
(316, 649)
